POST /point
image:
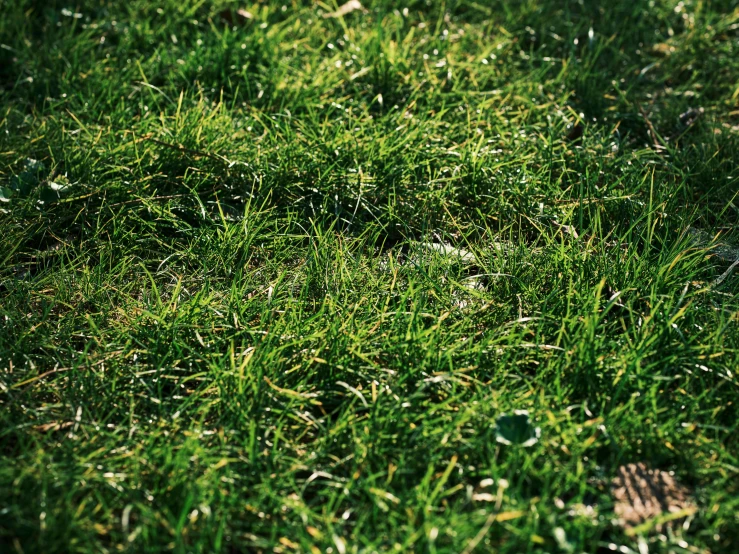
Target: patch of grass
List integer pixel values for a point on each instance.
(268, 283)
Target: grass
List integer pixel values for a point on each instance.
(224, 328)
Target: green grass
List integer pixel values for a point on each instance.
(227, 331)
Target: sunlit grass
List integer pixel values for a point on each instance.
(268, 282)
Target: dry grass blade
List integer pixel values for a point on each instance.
(346, 9)
(236, 17)
(54, 426)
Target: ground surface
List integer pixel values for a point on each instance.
(273, 277)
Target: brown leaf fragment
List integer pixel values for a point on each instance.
(663, 49)
(346, 9)
(642, 494)
(575, 132)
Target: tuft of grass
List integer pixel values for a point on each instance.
(267, 284)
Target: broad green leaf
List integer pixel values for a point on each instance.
(27, 180)
(516, 429)
(5, 194)
(48, 195)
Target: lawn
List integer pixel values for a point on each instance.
(284, 277)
